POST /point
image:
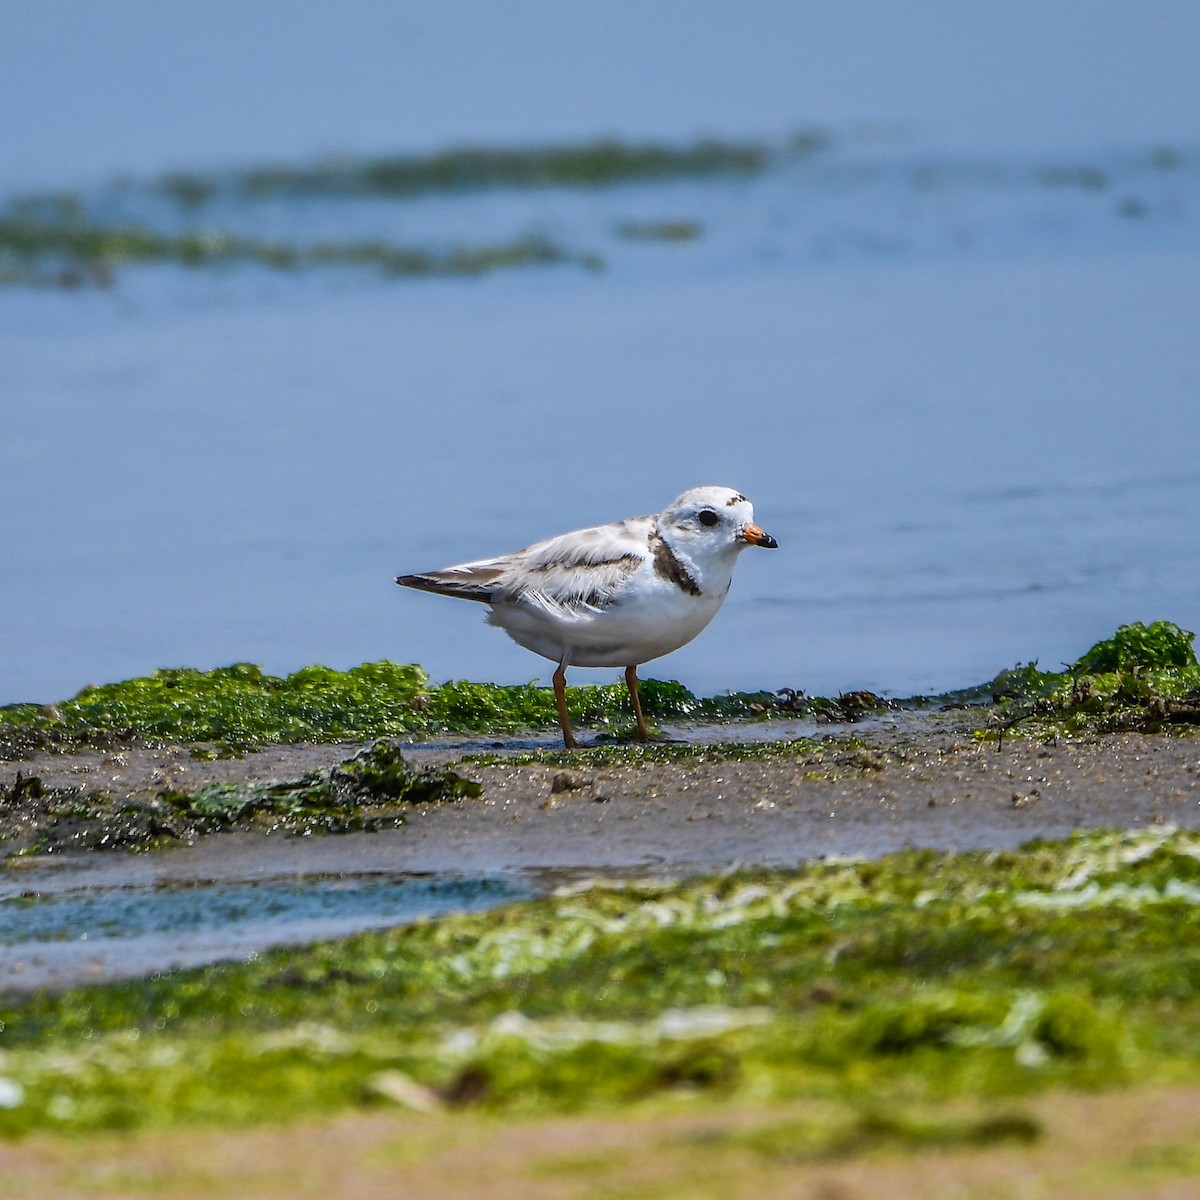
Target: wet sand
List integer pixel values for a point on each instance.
(901, 782)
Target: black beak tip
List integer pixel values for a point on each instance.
(767, 542)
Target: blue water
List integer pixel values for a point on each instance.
(73, 935)
(197, 908)
(953, 359)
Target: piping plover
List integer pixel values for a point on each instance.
(616, 595)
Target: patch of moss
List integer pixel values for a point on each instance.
(240, 706)
(875, 986)
(1144, 678)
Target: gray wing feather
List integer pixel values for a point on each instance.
(571, 573)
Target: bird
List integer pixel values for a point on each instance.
(613, 595)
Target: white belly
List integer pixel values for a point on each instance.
(641, 627)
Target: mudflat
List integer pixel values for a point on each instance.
(857, 791)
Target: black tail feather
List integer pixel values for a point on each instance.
(464, 589)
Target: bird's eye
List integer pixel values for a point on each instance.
(706, 516)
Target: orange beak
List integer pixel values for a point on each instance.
(756, 537)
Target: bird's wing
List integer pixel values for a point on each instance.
(570, 573)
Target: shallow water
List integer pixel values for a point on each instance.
(69, 934)
(950, 352)
(962, 398)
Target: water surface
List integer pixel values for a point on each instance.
(962, 395)
(77, 934)
(949, 352)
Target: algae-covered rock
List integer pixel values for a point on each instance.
(371, 790)
(364, 792)
(1143, 678)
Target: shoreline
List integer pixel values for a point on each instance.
(862, 790)
(545, 819)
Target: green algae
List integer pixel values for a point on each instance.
(602, 163)
(371, 790)
(236, 706)
(58, 240)
(240, 706)
(74, 250)
(660, 231)
(1159, 645)
(1144, 678)
(366, 792)
(913, 979)
(633, 754)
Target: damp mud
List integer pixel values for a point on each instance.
(540, 817)
(862, 790)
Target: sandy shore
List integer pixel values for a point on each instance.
(902, 782)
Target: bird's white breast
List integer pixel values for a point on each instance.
(649, 617)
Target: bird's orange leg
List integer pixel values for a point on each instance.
(560, 698)
(631, 682)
